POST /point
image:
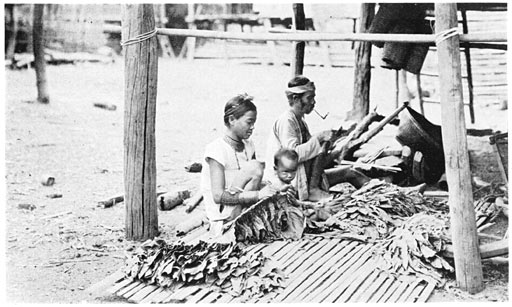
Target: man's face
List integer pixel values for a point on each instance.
(286, 169)
(308, 102)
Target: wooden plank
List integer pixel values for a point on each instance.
(118, 286)
(356, 297)
(365, 296)
(425, 294)
(196, 298)
(182, 293)
(313, 266)
(339, 262)
(302, 253)
(392, 288)
(128, 288)
(210, 298)
(493, 249)
(353, 284)
(133, 291)
(319, 250)
(159, 298)
(382, 289)
(294, 251)
(149, 299)
(270, 249)
(310, 277)
(398, 292)
(166, 298)
(225, 298)
(336, 284)
(287, 248)
(415, 293)
(408, 291)
(337, 270)
(137, 297)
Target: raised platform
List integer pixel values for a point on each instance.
(319, 270)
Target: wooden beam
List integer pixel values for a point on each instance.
(468, 266)
(141, 66)
(299, 23)
(310, 36)
(362, 71)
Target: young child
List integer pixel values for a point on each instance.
(286, 162)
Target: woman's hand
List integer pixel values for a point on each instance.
(267, 191)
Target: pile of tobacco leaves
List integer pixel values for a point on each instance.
(373, 211)
(268, 220)
(413, 249)
(226, 266)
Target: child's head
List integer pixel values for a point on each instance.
(240, 115)
(286, 162)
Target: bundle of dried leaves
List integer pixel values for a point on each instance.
(377, 208)
(226, 266)
(268, 220)
(413, 249)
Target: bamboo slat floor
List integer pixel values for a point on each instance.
(318, 269)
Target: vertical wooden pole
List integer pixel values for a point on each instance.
(141, 66)
(10, 10)
(420, 93)
(468, 265)
(467, 53)
(362, 69)
(397, 88)
(299, 23)
(191, 41)
(39, 62)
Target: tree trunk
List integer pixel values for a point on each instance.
(141, 66)
(39, 62)
(362, 69)
(299, 20)
(468, 265)
(13, 25)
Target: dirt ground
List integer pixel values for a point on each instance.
(64, 245)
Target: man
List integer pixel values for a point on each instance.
(291, 131)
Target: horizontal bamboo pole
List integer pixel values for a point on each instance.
(310, 36)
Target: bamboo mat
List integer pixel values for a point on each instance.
(319, 270)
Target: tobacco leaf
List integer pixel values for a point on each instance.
(226, 266)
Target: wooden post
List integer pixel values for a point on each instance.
(191, 41)
(468, 265)
(299, 23)
(362, 69)
(420, 93)
(141, 67)
(39, 62)
(10, 10)
(467, 54)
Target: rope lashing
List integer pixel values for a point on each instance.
(139, 38)
(446, 34)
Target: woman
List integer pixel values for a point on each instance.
(232, 176)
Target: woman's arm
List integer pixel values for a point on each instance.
(219, 193)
